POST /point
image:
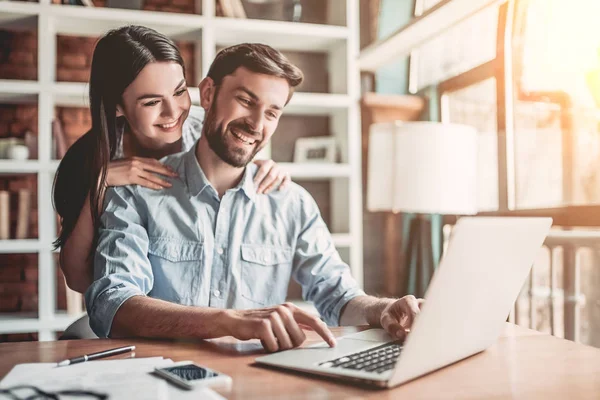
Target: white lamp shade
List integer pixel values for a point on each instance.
(422, 167)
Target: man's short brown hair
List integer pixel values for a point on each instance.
(258, 58)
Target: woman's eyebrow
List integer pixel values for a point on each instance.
(182, 83)
(150, 95)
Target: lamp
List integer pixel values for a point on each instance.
(423, 168)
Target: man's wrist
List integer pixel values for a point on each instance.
(224, 322)
(374, 311)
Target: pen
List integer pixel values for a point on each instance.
(94, 356)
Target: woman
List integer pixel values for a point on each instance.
(141, 111)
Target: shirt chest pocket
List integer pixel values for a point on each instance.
(177, 267)
(265, 273)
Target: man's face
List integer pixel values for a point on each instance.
(244, 114)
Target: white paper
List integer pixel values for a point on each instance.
(120, 379)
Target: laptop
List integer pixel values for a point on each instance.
(466, 307)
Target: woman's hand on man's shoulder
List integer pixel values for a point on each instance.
(139, 171)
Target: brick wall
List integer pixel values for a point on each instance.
(18, 60)
(18, 283)
(74, 58)
(18, 289)
(17, 119)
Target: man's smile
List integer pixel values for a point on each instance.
(241, 136)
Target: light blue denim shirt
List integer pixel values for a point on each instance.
(185, 245)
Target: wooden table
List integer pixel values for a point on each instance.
(523, 364)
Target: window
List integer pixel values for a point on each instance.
(476, 105)
(557, 136)
(463, 47)
(553, 157)
(537, 155)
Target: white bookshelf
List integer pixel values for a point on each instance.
(339, 39)
(20, 246)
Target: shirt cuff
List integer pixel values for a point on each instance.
(333, 317)
(104, 306)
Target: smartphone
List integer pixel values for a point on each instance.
(189, 375)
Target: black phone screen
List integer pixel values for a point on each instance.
(191, 372)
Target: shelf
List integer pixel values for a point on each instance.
(12, 167)
(20, 246)
(316, 171)
(29, 322)
(282, 35)
(18, 15)
(342, 239)
(19, 167)
(303, 103)
(88, 21)
(71, 94)
(431, 24)
(317, 103)
(53, 166)
(95, 21)
(14, 91)
(19, 323)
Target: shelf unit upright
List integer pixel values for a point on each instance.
(339, 40)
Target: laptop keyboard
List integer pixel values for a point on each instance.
(378, 359)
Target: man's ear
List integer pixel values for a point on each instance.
(207, 92)
(119, 111)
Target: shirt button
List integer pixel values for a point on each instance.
(217, 293)
(220, 250)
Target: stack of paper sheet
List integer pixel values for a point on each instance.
(119, 379)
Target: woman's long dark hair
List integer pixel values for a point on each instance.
(118, 58)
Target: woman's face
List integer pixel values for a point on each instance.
(156, 104)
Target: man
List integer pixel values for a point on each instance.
(207, 257)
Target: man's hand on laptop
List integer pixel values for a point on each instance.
(398, 316)
(278, 327)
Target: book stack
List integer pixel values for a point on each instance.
(23, 213)
(232, 9)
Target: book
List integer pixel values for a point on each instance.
(238, 9)
(23, 212)
(59, 139)
(227, 8)
(4, 215)
(31, 141)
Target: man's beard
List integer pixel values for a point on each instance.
(217, 141)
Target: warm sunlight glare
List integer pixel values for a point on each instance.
(562, 43)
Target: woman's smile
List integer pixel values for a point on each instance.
(171, 126)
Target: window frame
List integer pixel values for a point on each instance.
(502, 70)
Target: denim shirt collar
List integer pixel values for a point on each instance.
(196, 179)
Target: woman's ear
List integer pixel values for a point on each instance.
(119, 111)
(207, 92)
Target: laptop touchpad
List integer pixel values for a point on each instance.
(371, 335)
